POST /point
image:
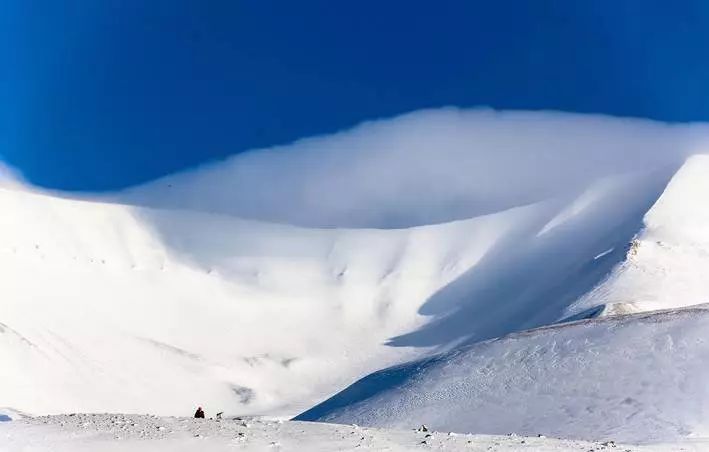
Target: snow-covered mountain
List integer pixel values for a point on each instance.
(668, 260)
(636, 378)
(267, 283)
(629, 377)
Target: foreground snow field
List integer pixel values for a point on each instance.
(448, 244)
(134, 433)
(631, 378)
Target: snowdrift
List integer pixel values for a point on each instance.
(630, 378)
(267, 283)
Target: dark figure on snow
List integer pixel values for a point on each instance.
(199, 414)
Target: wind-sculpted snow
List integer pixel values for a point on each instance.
(167, 299)
(113, 307)
(631, 378)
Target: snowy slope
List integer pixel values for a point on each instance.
(630, 378)
(109, 307)
(113, 307)
(667, 262)
(185, 292)
(115, 432)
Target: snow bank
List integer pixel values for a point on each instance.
(633, 378)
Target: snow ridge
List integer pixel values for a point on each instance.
(665, 262)
(219, 288)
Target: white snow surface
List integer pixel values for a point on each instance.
(136, 433)
(110, 307)
(635, 378)
(267, 283)
(666, 263)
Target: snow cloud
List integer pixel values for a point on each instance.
(10, 177)
(426, 167)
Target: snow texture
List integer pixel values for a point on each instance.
(631, 378)
(134, 433)
(665, 263)
(265, 284)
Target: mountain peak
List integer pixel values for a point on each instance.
(666, 261)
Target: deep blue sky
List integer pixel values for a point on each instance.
(98, 95)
